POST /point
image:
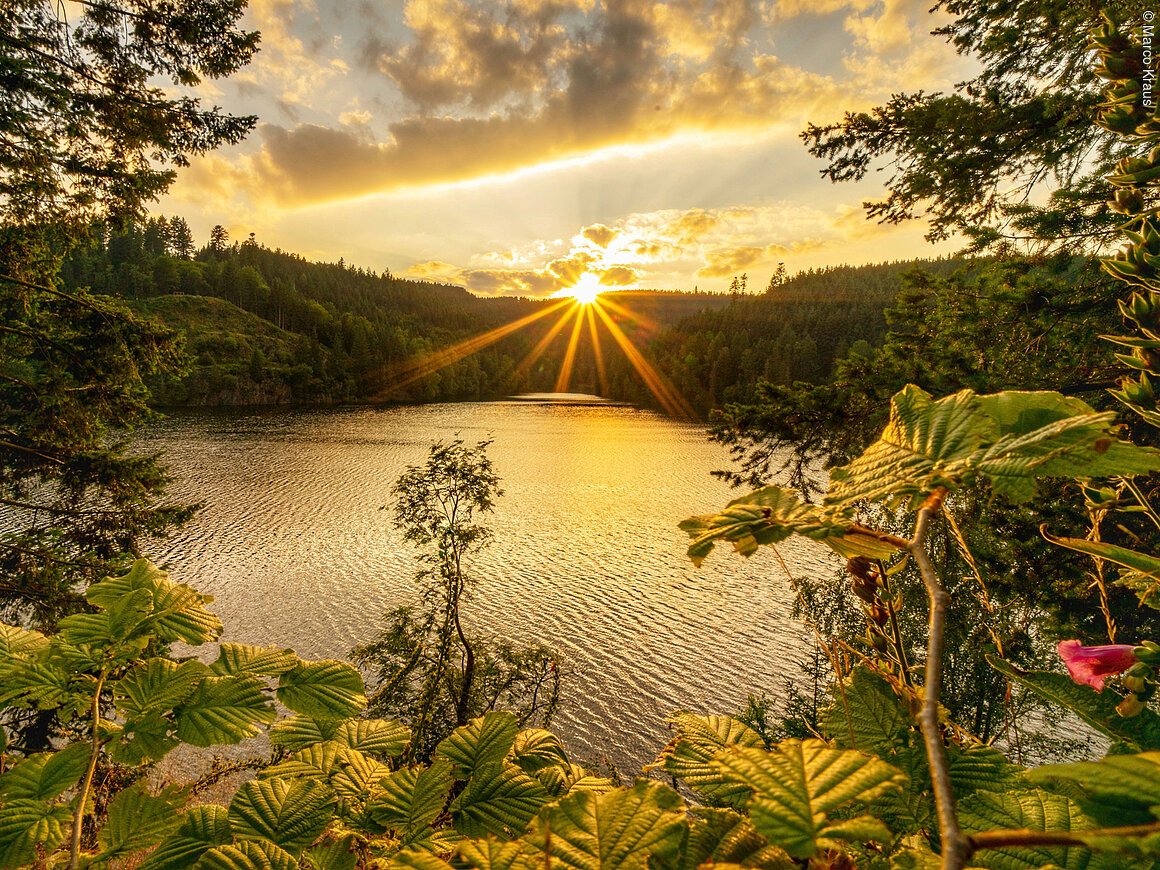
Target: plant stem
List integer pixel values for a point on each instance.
(1019, 837)
(955, 846)
(83, 797)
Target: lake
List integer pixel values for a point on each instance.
(297, 547)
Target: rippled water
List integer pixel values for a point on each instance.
(296, 544)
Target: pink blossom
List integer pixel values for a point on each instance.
(1088, 665)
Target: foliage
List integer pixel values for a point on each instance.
(90, 131)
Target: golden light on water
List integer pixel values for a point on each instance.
(582, 302)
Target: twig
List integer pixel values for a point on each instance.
(955, 846)
(1020, 837)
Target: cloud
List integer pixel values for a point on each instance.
(730, 261)
(489, 88)
(599, 234)
(618, 276)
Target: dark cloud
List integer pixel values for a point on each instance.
(599, 234)
(618, 276)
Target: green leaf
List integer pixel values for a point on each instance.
(493, 854)
(178, 611)
(1033, 811)
(200, 829)
(721, 836)
(798, 784)
(865, 713)
(620, 829)
(1098, 709)
(223, 710)
(411, 859)
(157, 684)
(537, 748)
(258, 855)
(771, 515)
(357, 775)
(123, 619)
(298, 732)
(499, 799)
(337, 855)
(255, 661)
(20, 641)
(316, 761)
(137, 820)
(924, 445)
(143, 738)
(412, 798)
(290, 814)
(46, 775)
(929, 444)
(323, 689)
(1118, 790)
(698, 740)
(384, 737)
(28, 825)
(482, 741)
(1082, 446)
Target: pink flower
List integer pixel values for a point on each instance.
(1088, 665)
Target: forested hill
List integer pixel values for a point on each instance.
(264, 326)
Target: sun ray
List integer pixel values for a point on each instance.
(526, 362)
(637, 318)
(417, 369)
(597, 351)
(672, 401)
(570, 355)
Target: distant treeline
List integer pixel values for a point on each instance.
(264, 326)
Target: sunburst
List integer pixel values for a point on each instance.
(581, 302)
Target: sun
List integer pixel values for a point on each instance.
(586, 289)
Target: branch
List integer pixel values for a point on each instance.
(1022, 837)
(955, 846)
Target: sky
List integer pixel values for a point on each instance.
(523, 147)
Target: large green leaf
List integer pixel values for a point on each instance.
(323, 689)
(865, 713)
(770, 515)
(224, 710)
(721, 836)
(199, 830)
(259, 855)
(289, 813)
(45, 775)
(499, 799)
(157, 684)
(620, 829)
(384, 737)
(16, 641)
(137, 819)
(698, 740)
(143, 738)
(178, 611)
(537, 748)
(298, 732)
(256, 661)
(800, 783)
(357, 775)
(494, 854)
(316, 761)
(483, 741)
(1098, 709)
(338, 854)
(1083, 446)
(942, 443)
(29, 825)
(560, 780)
(1118, 790)
(925, 445)
(124, 618)
(412, 798)
(1032, 811)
